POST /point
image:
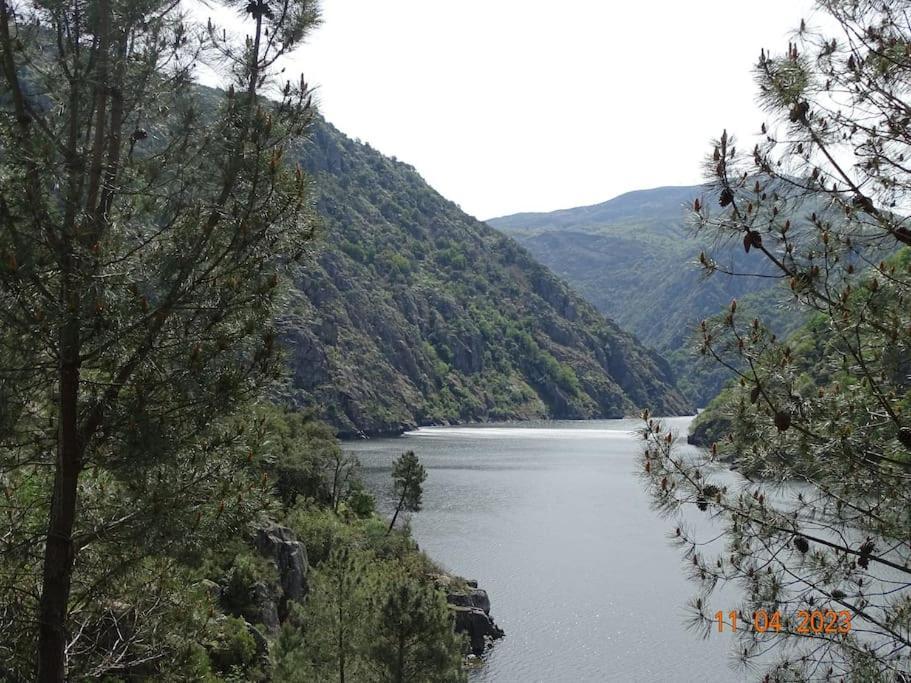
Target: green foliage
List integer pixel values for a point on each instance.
(334, 618)
(324, 530)
(415, 640)
(358, 569)
(371, 619)
(353, 562)
(290, 658)
(232, 648)
(408, 475)
(714, 423)
(393, 265)
(451, 257)
(150, 230)
(812, 351)
(304, 457)
(818, 420)
(360, 501)
(244, 569)
(148, 234)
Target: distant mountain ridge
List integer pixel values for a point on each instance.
(634, 258)
(656, 204)
(412, 312)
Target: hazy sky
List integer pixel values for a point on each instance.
(524, 105)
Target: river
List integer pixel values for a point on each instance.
(552, 520)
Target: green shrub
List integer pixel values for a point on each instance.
(233, 645)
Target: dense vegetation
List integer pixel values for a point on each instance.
(154, 503)
(144, 245)
(814, 353)
(367, 608)
(163, 519)
(819, 420)
(636, 259)
(413, 312)
(267, 598)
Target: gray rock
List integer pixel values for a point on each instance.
(310, 366)
(475, 597)
(290, 556)
(480, 600)
(481, 629)
(264, 611)
(471, 608)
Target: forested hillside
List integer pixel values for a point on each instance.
(412, 312)
(634, 258)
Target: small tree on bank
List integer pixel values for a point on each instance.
(408, 476)
(145, 228)
(825, 199)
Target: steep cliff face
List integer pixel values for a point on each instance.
(412, 312)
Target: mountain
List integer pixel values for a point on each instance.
(635, 259)
(412, 312)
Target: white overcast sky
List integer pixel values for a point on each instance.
(525, 105)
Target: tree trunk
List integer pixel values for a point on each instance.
(400, 673)
(398, 509)
(59, 553)
(341, 642)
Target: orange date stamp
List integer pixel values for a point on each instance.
(816, 622)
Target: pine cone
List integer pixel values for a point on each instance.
(783, 420)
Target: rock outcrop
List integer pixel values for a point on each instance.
(279, 544)
(471, 608)
(264, 607)
(474, 598)
(481, 629)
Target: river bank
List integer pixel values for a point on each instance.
(551, 519)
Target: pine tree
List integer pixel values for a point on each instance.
(414, 639)
(824, 200)
(408, 475)
(146, 226)
(336, 612)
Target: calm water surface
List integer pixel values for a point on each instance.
(553, 522)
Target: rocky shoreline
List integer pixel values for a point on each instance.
(267, 604)
(471, 607)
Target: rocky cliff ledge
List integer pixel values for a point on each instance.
(264, 604)
(471, 607)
